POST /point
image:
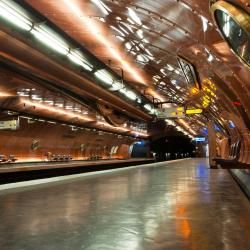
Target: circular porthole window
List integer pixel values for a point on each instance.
(234, 25)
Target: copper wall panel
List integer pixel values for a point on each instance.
(60, 140)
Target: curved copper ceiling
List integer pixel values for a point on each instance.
(144, 39)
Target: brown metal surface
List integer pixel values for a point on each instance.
(160, 31)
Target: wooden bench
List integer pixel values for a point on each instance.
(233, 159)
(3, 159)
(12, 158)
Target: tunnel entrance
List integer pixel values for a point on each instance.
(172, 147)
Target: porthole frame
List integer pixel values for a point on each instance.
(239, 15)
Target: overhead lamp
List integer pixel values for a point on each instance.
(131, 95)
(10, 11)
(36, 97)
(50, 40)
(104, 76)
(148, 107)
(123, 90)
(80, 60)
(117, 85)
(20, 93)
(49, 102)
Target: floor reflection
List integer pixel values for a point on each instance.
(182, 205)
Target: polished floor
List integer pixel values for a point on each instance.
(178, 205)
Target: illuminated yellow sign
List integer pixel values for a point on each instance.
(193, 111)
(195, 91)
(176, 112)
(209, 89)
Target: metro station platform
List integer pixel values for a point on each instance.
(171, 205)
(17, 172)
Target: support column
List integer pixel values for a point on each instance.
(211, 143)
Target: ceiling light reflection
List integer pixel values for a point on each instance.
(56, 110)
(96, 32)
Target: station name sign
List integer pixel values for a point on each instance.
(9, 125)
(200, 139)
(177, 112)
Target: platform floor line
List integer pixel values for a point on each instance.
(184, 206)
(24, 184)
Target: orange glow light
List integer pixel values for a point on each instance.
(4, 94)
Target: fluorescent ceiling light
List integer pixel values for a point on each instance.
(117, 85)
(10, 11)
(148, 107)
(22, 94)
(35, 97)
(50, 40)
(123, 90)
(104, 76)
(131, 95)
(80, 60)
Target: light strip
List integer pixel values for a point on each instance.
(50, 40)
(8, 10)
(104, 76)
(80, 60)
(131, 95)
(148, 107)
